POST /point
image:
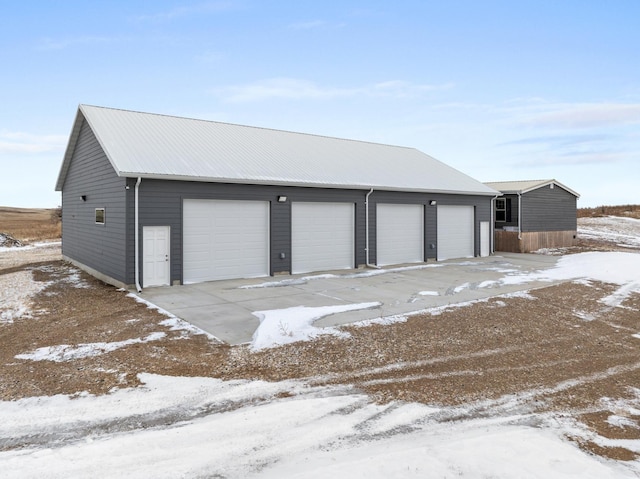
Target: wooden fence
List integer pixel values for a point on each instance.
(533, 241)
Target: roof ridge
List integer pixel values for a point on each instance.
(177, 117)
(522, 181)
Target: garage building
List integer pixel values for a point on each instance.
(151, 200)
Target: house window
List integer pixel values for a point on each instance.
(100, 216)
(501, 210)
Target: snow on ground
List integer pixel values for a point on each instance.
(622, 231)
(612, 267)
(16, 249)
(17, 290)
(66, 352)
(283, 326)
(203, 427)
(173, 322)
(429, 293)
(358, 274)
(242, 429)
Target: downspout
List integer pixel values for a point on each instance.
(519, 216)
(366, 228)
(493, 223)
(137, 240)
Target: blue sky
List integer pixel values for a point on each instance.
(500, 90)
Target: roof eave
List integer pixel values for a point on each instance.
(522, 191)
(71, 146)
(280, 182)
(554, 182)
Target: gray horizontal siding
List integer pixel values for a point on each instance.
(161, 205)
(515, 212)
(481, 204)
(546, 209)
(100, 247)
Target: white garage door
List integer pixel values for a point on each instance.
(225, 239)
(399, 234)
(322, 236)
(455, 232)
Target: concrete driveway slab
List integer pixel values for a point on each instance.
(179, 297)
(224, 308)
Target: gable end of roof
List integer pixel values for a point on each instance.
(81, 117)
(525, 186)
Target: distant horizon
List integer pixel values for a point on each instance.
(579, 207)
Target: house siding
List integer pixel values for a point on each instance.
(546, 209)
(161, 204)
(99, 247)
(515, 212)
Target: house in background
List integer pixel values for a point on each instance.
(530, 215)
(151, 200)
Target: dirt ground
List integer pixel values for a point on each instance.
(30, 224)
(557, 350)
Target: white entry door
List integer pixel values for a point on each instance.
(485, 238)
(155, 256)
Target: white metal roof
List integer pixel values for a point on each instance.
(167, 147)
(521, 187)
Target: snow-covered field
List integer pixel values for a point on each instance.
(624, 232)
(202, 427)
(240, 429)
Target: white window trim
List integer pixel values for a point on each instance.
(104, 216)
(503, 210)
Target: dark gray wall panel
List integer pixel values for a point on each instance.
(161, 204)
(546, 209)
(515, 213)
(98, 246)
(482, 205)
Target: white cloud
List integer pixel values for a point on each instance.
(20, 142)
(210, 57)
(577, 158)
(60, 44)
(586, 115)
(308, 25)
(186, 11)
(296, 89)
(315, 24)
(404, 89)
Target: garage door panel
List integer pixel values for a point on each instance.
(399, 233)
(455, 232)
(225, 239)
(322, 236)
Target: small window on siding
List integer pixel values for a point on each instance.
(100, 216)
(501, 210)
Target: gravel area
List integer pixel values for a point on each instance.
(41, 252)
(558, 349)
